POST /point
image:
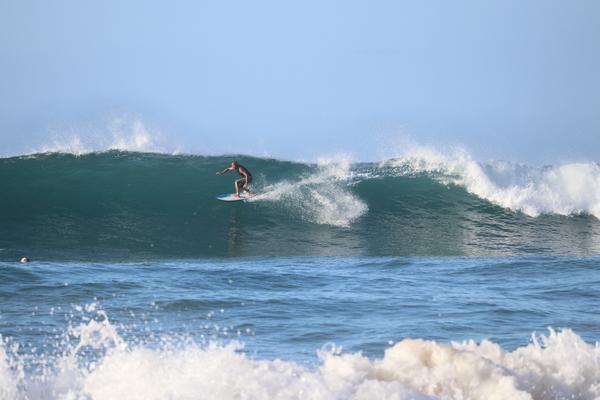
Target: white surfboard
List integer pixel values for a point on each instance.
(233, 197)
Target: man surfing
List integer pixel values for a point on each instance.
(240, 183)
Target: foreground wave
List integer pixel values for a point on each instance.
(95, 362)
(133, 205)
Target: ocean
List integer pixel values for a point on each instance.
(427, 276)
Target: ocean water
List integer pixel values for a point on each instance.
(427, 276)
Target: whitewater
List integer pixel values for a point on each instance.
(411, 369)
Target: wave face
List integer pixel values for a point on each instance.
(121, 205)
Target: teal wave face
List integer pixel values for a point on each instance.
(119, 205)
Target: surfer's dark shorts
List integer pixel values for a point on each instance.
(242, 182)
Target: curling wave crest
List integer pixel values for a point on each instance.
(566, 189)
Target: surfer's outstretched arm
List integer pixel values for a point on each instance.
(224, 171)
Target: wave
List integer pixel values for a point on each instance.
(95, 361)
(119, 204)
(567, 189)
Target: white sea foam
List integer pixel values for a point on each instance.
(322, 197)
(564, 189)
(557, 366)
(121, 133)
(8, 376)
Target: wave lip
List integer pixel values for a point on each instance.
(568, 189)
(557, 366)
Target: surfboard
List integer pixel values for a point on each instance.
(233, 197)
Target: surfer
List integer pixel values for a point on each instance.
(240, 183)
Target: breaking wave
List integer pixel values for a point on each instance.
(564, 189)
(93, 361)
(123, 204)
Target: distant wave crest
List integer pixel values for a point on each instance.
(122, 133)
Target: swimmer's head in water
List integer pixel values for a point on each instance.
(24, 259)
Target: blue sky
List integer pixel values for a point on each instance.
(508, 79)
